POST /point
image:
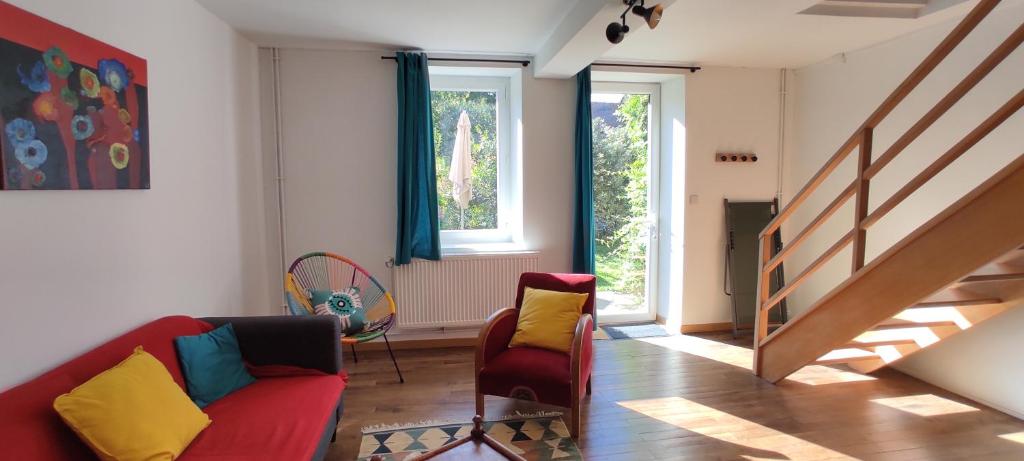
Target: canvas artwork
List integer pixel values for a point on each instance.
(73, 110)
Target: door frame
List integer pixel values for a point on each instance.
(653, 193)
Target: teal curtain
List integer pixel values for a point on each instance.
(418, 229)
(583, 216)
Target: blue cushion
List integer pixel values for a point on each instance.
(345, 304)
(318, 297)
(212, 365)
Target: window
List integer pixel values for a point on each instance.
(489, 213)
(626, 139)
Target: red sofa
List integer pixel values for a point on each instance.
(289, 413)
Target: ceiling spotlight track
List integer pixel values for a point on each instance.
(615, 31)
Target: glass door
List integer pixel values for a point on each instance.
(625, 200)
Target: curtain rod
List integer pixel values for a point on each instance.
(525, 63)
(505, 61)
(692, 69)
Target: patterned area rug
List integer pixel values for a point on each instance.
(536, 439)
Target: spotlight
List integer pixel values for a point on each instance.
(652, 15)
(615, 32)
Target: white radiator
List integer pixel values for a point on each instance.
(459, 290)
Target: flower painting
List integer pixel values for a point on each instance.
(73, 110)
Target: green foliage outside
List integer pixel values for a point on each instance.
(620, 180)
(482, 110)
(620, 197)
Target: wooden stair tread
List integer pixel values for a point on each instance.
(995, 272)
(1013, 258)
(881, 342)
(900, 323)
(891, 337)
(845, 356)
(957, 297)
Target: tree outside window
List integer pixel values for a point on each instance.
(481, 106)
(620, 193)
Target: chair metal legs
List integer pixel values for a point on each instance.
(392, 354)
(355, 358)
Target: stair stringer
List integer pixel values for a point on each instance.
(983, 225)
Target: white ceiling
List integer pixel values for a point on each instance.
(466, 26)
(748, 33)
(765, 33)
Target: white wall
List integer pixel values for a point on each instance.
(832, 99)
(339, 116)
(338, 122)
(727, 110)
(671, 215)
(79, 267)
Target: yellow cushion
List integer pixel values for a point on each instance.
(292, 287)
(547, 319)
(133, 411)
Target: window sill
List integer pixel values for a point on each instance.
(484, 249)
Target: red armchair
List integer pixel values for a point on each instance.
(529, 373)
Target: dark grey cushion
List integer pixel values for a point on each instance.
(309, 342)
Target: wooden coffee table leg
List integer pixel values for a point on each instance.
(478, 438)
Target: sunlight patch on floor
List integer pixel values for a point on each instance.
(816, 375)
(744, 358)
(1014, 437)
(748, 439)
(713, 350)
(925, 405)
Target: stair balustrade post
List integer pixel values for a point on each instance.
(860, 209)
(761, 315)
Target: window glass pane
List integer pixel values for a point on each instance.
(481, 211)
(621, 180)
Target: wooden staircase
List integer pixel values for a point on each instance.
(944, 314)
(962, 267)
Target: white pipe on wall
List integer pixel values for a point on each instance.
(782, 135)
(279, 153)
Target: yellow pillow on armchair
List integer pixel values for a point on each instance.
(133, 411)
(547, 319)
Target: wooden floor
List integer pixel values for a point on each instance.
(693, 397)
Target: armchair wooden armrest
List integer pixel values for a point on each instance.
(495, 335)
(582, 362)
(493, 339)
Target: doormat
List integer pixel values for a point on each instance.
(647, 330)
(534, 438)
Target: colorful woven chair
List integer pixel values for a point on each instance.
(324, 283)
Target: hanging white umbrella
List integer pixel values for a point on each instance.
(461, 174)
